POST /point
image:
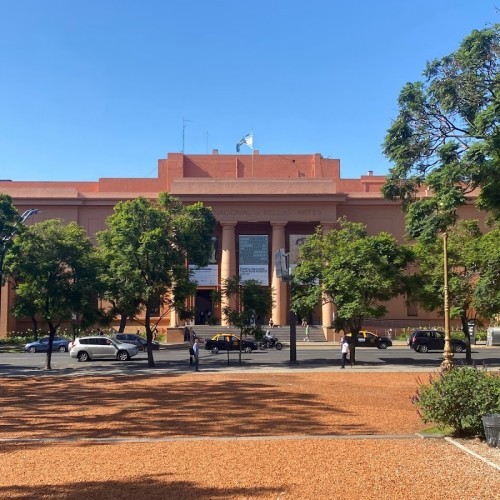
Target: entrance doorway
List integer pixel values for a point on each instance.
(203, 307)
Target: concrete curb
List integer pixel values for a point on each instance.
(208, 438)
(470, 452)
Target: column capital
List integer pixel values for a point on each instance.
(228, 225)
(278, 224)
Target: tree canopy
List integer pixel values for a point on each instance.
(146, 249)
(53, 269)
(9, 218)
(252, 303)
(354, 271)
(446, 136)
(473, 278)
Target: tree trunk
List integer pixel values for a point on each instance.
(149, 337)
(35, 327)
(468, 349)
(48, 358)
(123, 323)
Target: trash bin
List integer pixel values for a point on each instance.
(493, 336)
(491, 424)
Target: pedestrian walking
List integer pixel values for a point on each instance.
(346, 351)
(307, 339)
(196, 354)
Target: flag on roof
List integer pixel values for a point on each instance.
(246, 141)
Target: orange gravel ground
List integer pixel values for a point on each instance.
(188, 411)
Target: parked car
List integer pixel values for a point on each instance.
(42, 345)
(101, 346)
(369, 339)
(228, 342)
(433, 340)
(134, 338)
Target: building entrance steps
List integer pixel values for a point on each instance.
(282, 332)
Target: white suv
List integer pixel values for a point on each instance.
(100, 346)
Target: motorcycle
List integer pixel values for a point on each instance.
(269, 343)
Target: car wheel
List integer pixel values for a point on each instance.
(123, 356)
(247, 349)
(457, 348)
(279, 346)
(262, 346)
(383, 345)
(32, 349)
(62, 348)
(214, 350)
(422, 348)
(83, 356)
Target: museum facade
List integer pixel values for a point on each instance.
(262, 203)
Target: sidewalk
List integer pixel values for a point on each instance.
(286, 436)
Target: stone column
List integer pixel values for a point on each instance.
(279, 313)
(327, 310)
(4, 310)
(227, 261)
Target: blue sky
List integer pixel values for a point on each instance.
(104, 88)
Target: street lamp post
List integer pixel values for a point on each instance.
(447, 363)
(4, 243)
(284, 272)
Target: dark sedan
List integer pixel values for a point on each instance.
(42, 345)
(228, 342)
(433, 340)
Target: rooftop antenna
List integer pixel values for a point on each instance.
(184, 125)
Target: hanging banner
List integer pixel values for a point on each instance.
(205, 276)
(254, 258)
(208, 275)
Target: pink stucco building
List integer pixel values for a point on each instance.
(261, 202)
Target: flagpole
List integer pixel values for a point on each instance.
(253, 149)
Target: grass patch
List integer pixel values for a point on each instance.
(438, 429)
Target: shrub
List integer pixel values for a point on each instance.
(459, 398)
(481, 335)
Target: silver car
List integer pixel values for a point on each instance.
(100, 346)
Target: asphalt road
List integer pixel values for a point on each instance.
(175, 359)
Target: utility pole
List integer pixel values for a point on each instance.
(184, 125)
(284, 272)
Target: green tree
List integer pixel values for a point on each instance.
(9, 219)
(252, 302)
(487, 292)
(54, 274)
(473, 263)
(146, 249)
(447, 136)
(118, 290)
(354, 271)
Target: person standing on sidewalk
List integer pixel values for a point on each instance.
(196, 354)
(346, 351)
(307, 339)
